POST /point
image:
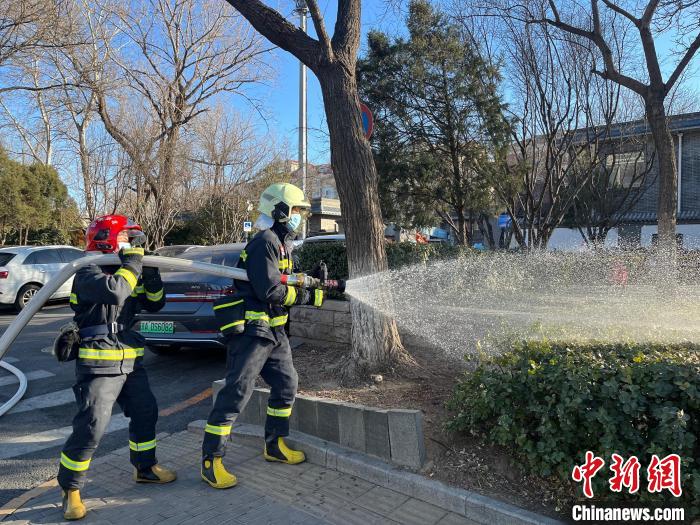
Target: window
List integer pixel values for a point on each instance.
(626, 169)
(329, 193)
(43, 257)
(6, 258)
(69, 254)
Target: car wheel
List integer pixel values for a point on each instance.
(25, 295)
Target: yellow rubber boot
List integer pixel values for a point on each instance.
(155, 474)
(73, 508)
(279, 451)
(214, 473)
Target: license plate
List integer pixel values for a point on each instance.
(157, 327)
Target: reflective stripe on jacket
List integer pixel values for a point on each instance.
(101, 296)
(266, 257)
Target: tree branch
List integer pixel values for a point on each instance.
(622, 12)
(273, 26)
(37, 88)
(320, 30)
(346, 37)
(692, 49)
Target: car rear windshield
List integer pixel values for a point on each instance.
(6, 258)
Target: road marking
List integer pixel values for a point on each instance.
(21, 445)
(34, 374)
(52, 399)
(177, 407)
(10, 359)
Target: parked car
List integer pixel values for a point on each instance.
(187, 319)
(25, 269)
(175, 250)
(338, 237)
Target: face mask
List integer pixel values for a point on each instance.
(124, 245)
(294, 222)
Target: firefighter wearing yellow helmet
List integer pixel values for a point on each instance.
(253, 320)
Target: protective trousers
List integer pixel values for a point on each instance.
(95, 395)
(248, 357)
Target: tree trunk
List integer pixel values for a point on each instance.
(376, 345)
(462, 235)
(666, 158)
(86, 172)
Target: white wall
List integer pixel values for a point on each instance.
(570, 240)
(691, 235)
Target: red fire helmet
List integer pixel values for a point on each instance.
(101, 235)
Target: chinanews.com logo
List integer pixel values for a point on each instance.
(662, 474)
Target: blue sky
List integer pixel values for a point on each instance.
(281, 99)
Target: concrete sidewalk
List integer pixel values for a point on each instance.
(267, 493)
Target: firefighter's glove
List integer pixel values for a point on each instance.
(302, 296)
(150, 273)
(132, 258)
(320, 271)
(310, 297)
(316, 297)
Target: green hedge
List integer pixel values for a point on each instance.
(550, 403)
(398, 254)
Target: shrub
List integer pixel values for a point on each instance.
(398, 255)
(549, 403)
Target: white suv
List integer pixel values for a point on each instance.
(25, 269)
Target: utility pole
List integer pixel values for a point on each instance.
(302, 10)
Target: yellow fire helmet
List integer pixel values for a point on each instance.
(278, 199)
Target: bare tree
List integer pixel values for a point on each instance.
(622, 163)
(607, 25)
(375, 339)
(553, 130)
(230, 163)
(34, 129)
(24, 25)
(171, 58)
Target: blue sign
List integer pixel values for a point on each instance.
(367, 120)
(247, 226)
(504, 220)
(439, 233)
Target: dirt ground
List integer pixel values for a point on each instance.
(459, 460)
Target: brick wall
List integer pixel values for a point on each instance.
(329, 324)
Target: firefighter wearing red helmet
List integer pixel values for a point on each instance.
(109, 364)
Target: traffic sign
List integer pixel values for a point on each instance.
(367, 120)
(504, 220)
(247, 226)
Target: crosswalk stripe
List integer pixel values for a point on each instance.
(52, 399)
(21, 445)
(34, 374)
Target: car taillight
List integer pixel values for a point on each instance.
(4, 274)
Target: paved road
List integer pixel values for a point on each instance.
(31, 435)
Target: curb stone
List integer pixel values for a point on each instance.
(471, 505)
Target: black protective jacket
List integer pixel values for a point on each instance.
(105, 301)
(266, 258)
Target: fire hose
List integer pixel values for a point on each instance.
(163, 263)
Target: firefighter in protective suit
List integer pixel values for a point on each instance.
(262, 348)
(109, 363)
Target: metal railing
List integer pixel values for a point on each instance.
(33, 306)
